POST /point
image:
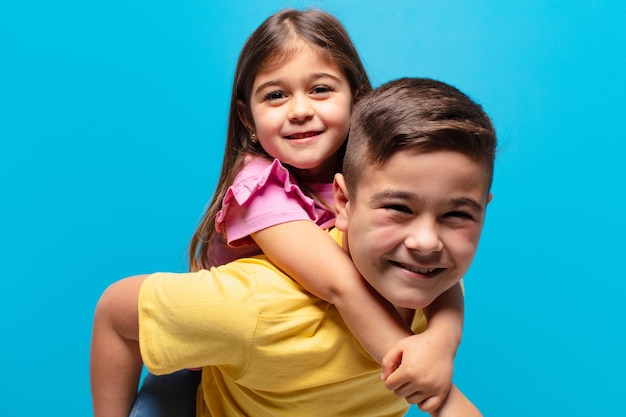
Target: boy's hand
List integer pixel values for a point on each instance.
(419, 368)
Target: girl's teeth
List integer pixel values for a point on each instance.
(302, 135)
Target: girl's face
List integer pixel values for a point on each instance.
(301, 112)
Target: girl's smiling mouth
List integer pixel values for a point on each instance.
(304, 135)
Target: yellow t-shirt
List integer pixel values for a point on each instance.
(267, 347)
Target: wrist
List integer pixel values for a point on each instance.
(446, 341)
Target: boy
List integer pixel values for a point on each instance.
(411, 203)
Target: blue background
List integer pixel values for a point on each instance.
(112, 119)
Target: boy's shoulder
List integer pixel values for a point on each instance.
(336, 235)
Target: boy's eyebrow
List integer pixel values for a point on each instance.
(470, 202)
(389, 194)
(404, 195)
(312, 77)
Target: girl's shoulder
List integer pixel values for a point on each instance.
(259, 170)
(259, 188)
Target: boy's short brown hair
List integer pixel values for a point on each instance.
(416, 113)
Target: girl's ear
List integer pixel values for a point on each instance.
(242, 112)
(341, 202)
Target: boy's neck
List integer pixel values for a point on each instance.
(407, 314)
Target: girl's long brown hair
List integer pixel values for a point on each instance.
(268, 45)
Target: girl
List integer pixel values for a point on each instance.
(296, 81)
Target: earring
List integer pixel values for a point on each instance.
(253, 137)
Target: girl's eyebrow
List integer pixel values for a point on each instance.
(312, 77)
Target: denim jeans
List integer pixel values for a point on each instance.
(172, 395)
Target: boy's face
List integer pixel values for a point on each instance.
(413, 227)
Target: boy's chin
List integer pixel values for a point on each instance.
(413, 302)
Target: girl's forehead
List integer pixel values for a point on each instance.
(289, 50)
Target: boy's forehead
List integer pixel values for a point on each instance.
(411, 166)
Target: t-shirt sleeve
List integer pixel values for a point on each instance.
(263, 195)
(197, 319)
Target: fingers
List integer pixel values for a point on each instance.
(406, 382)
(431, 404)
(425, 401)
(413, 372)
(391, 361)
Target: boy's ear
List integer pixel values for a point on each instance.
(341, 202)
(242, 112)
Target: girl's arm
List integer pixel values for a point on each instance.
(306, 253)
(434, 349)
(445, 314)
(455, 405)
(313, 259)
(115, 362)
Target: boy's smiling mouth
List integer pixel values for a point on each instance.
(428, 271)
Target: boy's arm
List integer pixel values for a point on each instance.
(435, 347)
(115, 362)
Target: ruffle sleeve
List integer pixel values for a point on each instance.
(263, 194)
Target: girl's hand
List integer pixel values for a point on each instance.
(419, 368)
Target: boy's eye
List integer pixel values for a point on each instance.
(398, 207)
(459, 215)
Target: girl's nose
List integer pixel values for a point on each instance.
(300, 108)
(423, 236)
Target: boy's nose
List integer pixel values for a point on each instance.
(300, 108)
(423, 237)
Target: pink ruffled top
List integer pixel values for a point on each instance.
(264, 194)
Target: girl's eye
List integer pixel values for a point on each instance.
(321, 89)
(274, 95)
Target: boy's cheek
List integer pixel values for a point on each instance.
(469, 235)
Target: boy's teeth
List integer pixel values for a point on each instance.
(419, 270)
